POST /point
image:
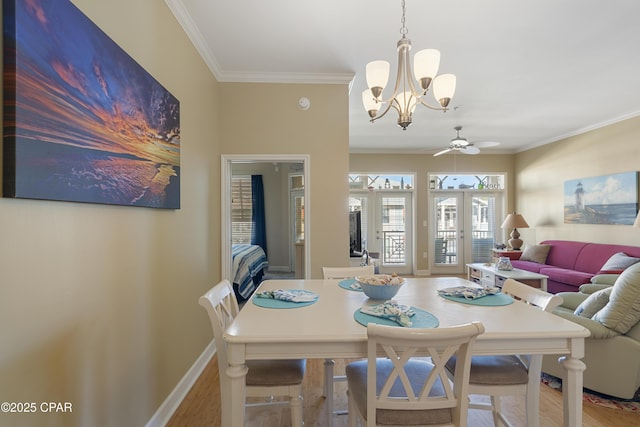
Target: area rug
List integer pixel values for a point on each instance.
(630, 405)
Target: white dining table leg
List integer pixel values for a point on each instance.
(572, 390)
(234, 402)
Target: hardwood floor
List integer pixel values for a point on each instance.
(201, 406)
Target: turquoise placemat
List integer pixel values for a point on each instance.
(421, 319)
(489, 300)
(346, 284)
(276, 303)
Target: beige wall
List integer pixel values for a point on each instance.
(98, 304)
(422, 165)
(543, 171)
(265, 119)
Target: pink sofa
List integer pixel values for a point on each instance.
(570, 264)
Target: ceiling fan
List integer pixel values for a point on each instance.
(465, 147)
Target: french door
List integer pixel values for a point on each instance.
(464, 228)
(387, 228)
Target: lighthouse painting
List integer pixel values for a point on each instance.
(607, 199)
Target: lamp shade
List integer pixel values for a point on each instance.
(426, 63)
(377, 73)
(637, 221)
(369, 102)
(514, 220)
(444, 86)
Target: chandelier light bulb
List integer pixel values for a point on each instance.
(425, 66)
(444, 86)
(370, 104)
(377, 76)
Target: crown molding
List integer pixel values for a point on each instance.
(199, 42)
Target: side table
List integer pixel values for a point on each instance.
(509, 253)
(488, 275)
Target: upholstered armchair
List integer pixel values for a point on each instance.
(609, 307)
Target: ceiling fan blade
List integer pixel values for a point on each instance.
(470, 149)
(485, 144)
(442, 152)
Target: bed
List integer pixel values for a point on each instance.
(249, 264)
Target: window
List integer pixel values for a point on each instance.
(241, 208)
(466, 182)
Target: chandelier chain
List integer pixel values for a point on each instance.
(403, 29)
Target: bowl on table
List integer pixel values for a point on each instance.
(380, 286)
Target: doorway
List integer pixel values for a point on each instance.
(465, 213)
(464, 228)
(387, 228)
(294, 230)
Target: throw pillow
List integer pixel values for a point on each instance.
(593, 303)
(622, 311)
(535, 253)
(617, 263)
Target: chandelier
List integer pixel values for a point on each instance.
(405, 95)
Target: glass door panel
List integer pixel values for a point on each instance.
(387, 228)
(392, 231)
(483, 227)
(446, 208)
(465, 226)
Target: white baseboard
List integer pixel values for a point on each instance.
(171, 403)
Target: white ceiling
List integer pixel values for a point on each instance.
(528, 73)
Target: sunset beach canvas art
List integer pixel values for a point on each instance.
(83, 121)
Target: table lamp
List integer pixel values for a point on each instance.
(515, 221)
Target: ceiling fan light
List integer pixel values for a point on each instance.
(377, 75)
(425, 66)
(370, 103)
(444, 86)
(459, 141)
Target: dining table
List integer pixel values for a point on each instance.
(331, 327)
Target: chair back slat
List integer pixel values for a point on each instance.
(532, 296)
(538, 298)
(347, 272)
(402, 389)
(222, 307)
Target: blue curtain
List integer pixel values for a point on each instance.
(258, 229)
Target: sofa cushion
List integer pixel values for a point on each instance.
(527, 265)
(594, 255)
(623, 309)
(564, 253)
(618, 263)
(563, 275)
(535, 253)
(593, 303)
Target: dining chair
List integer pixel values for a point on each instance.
(402, 389)
(329, 364)
(265, 378)
(510, 375)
